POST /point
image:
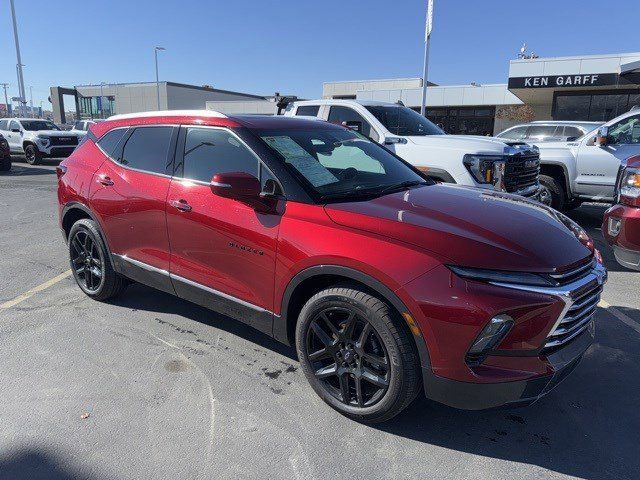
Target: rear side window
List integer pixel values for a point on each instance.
(208, 151)
(110, 141)
(572, 132)
(147, 149)
(4, 124)
(517, 133)
(308, 110)
(350, 118)
(541, 131)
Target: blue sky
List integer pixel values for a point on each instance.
(292, 46)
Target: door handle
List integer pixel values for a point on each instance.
(181, 205)
(106, 181)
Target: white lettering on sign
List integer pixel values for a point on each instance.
(562, 81)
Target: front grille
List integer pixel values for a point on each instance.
(577, 318)
(71, 140)
(521, 171)
(574, 274)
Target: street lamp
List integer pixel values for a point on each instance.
(102, 84)
(155, 51)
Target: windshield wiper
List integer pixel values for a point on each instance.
(402, 186)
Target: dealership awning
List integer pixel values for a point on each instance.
(629, 68)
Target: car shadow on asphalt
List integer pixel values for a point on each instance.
(20, 171)
(32, 464)
(140, 297)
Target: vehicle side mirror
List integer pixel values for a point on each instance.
(245, 188)
(602, 138)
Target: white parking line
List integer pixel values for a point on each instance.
(628, 321)
(28, 294)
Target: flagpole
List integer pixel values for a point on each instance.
(427, 37)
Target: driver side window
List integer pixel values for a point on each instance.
(625, 132)
(353, 120)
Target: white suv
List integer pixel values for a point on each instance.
(81, 127)
(37, 139)
(483, 162)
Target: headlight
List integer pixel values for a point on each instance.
(43, 140)
(630, 187)
(482, 167)
(499, 276)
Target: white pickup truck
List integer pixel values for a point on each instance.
(467, 160)
(37, 139)
(586, 169)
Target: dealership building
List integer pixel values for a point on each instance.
(595, 87)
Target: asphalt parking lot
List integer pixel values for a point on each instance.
(150, 386)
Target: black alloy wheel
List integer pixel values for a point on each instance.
(87, 261)
(348, 357)
(32, 155)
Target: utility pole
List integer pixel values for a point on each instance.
(427, 37)
(155, 51)
(31, 100)
(6, 99)
(23, 100)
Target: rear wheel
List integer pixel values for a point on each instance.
(5, 164)
(90, 262)
(551, 192)
(356, 355)
(32, 154)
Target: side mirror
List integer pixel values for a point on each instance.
(245, 188)
(603, 136)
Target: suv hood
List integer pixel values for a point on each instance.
(468, 143)
(54, 133)
(469, 227)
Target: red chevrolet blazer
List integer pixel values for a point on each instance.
(621, 223)
(387, 283)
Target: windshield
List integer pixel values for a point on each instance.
(403, 121)
(35, 125)
(340, 164)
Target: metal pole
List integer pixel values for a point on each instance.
(31, 100)
(157, 77)
(19, 65)
(427, 37)
(6, 99)
(101, 100)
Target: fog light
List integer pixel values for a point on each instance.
(614, 226)
(489, 337)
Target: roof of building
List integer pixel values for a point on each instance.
(174, 84)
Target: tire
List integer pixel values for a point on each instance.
(91, 264)
(32, 154)
(379, 376)
(5, 164)
(552, 192)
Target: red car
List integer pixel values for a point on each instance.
(621, 224)
(385, 282)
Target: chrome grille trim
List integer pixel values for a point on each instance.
(581, 299)
(575, 273)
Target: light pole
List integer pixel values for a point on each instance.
(31, 100)
(102, 84)
(19, 65)
(427, 37)
(6, 99)
(155, 51)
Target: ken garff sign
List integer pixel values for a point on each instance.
(553, 81)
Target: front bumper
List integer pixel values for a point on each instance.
(57, 151)
(480, 396)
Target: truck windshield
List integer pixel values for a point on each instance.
(340, 165)
(35, 125)
(403, 121)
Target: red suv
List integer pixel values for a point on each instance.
(384, 281)
(621, 223)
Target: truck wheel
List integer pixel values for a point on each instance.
(551, 192)
(5, 164)
(32, 154)
(356, 356)
(90, 262)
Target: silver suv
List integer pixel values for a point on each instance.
(548, 131)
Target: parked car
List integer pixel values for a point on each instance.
(5, 155)
(586, 169)
(386, 282)
(621, 223)
(37, 139)
(548, 131)
(81, 127)
(466, 160)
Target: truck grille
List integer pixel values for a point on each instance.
(70, 141)
(521, 172)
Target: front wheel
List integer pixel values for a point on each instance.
(551, 192)
(357, 355)
(32, 155)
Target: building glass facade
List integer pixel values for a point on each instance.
(594, 106)
(97, 107)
